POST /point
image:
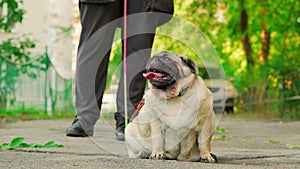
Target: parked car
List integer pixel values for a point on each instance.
(222, 89)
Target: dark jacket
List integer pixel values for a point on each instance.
(166, 7)
(96, 1)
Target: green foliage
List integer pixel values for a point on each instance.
(115, 60)
(18, 142)
(15, 53)
(14, 14)
(226, 34)
(30, 113)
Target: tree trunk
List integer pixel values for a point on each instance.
(245, 36)
(265, 37)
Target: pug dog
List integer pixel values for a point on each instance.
(177, 120)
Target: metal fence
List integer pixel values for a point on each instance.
(47, 92)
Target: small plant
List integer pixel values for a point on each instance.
(220, 130)
(18, 142)
(289, 146)
(274, 141)
(222, 137)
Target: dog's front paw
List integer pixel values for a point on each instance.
(208, 158)
(157, 156)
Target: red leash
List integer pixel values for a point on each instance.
(124, 61)
(137, 110)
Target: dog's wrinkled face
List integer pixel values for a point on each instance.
(170, 73)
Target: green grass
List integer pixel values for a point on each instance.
(31, 114)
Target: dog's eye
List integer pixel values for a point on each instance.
(166, 59)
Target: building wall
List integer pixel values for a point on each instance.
(46, 22)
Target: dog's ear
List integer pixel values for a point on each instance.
(189, 63)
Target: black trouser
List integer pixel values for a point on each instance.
(99, 22)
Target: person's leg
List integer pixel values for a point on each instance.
(139, 44)
(92, 61)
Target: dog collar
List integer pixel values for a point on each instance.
(182, 92)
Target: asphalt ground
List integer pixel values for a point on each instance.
(245, 143)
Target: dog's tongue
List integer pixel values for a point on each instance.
(151, 75)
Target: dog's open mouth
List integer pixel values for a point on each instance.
(158, 77)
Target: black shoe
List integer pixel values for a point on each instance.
(120, 127)
(76, 130)
(120, 134)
